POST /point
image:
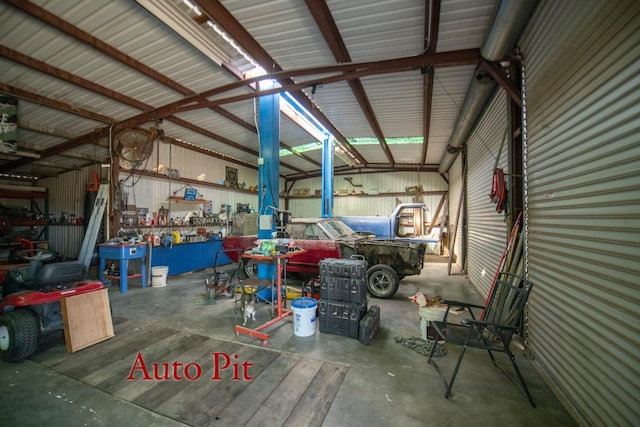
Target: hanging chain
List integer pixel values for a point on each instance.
(525, 184)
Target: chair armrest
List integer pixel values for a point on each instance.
(482, 324)
(461, 304)
(452, 303)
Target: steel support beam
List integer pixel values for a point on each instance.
(327, 178)
(268, 169)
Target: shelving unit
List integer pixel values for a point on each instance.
(33, 197)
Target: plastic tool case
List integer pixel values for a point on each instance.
(369, 325)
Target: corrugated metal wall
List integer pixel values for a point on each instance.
(383, 205)
(486, 229)
(66, 196)
(582, 70)
(153, 193)
(455, 188)
(66, 193)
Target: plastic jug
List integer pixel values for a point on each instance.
(176, 236)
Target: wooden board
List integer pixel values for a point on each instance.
(87, 319)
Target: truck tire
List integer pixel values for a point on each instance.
(19, 335)
(382, 281)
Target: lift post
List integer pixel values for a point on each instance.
(268, 168)
(327, 177)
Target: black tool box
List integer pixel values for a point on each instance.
(341, 318)
(369, 325)
(356, 268)
(348, 289)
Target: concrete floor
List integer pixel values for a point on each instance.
(385, 383)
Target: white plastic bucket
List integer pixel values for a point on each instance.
(159, 276)
(304, 316)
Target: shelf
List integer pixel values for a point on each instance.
(130, 276)
(34, 197)
(11, 194)
(191, 181)
(393, 194)
(135, 227)
(182, 200)
(27, 222)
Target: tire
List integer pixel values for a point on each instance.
(249, 268)
(19, 335)
(382, 281)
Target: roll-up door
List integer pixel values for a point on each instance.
(487, 148)
(582, 74)
(455, 189)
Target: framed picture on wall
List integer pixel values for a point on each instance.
(231, 177)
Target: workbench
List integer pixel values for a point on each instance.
(122, 254)
(281, 263)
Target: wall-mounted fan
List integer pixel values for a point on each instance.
(133, 146)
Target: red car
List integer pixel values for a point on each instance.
(389, 261)
(318, 236)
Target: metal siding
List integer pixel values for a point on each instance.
(190, 165)
(455, 188)
(66, 194)
(383, 205)
(449, 90)
(486, 228)
(389, 95)
(463, 23)
(583, 96)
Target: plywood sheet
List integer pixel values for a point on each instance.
(87, 319)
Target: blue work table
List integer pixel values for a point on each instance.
(122, 254)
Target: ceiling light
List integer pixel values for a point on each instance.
(186, 27)
(344, 155)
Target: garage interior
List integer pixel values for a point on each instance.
(190, 121)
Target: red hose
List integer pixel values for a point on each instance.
(499, 190)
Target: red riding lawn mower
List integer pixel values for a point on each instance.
(31, 296)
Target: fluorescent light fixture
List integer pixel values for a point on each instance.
(295, 116)
(186, 27)
(343, 155)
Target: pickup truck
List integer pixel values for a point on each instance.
(389, 261)
(407, 222)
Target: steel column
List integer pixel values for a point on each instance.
(327, 177)
(268, 167)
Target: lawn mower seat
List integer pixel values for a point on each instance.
(49, 276)
(52, 275)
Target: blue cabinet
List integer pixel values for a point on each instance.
(185, 257)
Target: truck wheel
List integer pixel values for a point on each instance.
(19, 335)
(382, 281)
